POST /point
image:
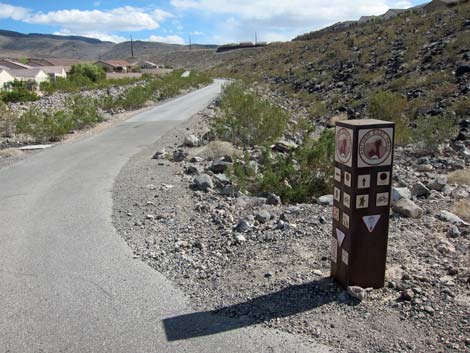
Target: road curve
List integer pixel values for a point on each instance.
(69, 283)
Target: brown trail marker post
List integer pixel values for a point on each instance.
(362, 192)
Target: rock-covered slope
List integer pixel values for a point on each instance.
(424, 58)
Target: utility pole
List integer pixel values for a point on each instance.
(256, 38)
(190, 44)
(132, 47)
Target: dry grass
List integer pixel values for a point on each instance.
(11, 152)
(462, 209)
(217, 149)
(460, 177)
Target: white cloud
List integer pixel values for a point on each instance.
(125, 18)
(13, 12)
(170, 39)
(292, 13)
(106, 37)
(280, 20)
(100, 23)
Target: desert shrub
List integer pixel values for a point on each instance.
(247, 119)
(91, 72)
(80, 112)
(391, 107)
(460, 177)
(462, 108)
(431, 131)
(296, 177)
(317, 108)
(7, 120)
(462, 209)
(44, 127)
(18, 93)
(83, 112)
(135, 97)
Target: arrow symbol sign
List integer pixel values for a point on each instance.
(340, 235)
(371, 221)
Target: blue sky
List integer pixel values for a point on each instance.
(173, 21)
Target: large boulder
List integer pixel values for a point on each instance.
(407, 208)
(326, 200)
(400, 193)
(220, 165)
(191, 141)
(203, 182)
(439, 183)
(420, 190)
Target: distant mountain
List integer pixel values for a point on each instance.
(15, 44)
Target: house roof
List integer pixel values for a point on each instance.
(25, 72)
(52, 69)
(117, 63)
(6, 71)
(13, 64)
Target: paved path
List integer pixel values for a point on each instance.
(69, 283)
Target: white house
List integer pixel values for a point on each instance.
(54, 71)
(5, 79)
(36, 75)
(146, 65)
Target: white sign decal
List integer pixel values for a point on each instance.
(375, 147)
(340, 236)
(363, 182)
(362, 201)
(338, 175)
(383, 178)
(345, 257)
(334, 250)
(371, 222)
(382, 199)
(346, 200)
(344, 146)
(347, 179)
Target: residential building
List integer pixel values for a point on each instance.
(54, 72)
(142, 64)
(65, 63)
(6, 79)
(392, 13)
(115, 65)
(35, 75)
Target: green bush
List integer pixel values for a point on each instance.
(7, 120)
(431, 131)
(91, 72)
(18, 93)
(391, 107)
(296, 177)
(44, 127)
(80, 112)
(83, 112)
(247, 119)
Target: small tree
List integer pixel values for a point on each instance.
(92, 72)
(390, 106)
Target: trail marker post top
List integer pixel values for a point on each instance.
(362, 188)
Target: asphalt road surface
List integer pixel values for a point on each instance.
(69, 283)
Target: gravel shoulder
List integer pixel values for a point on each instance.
(276, 272)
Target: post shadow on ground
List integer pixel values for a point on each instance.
(286, 302)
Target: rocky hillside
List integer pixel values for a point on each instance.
(14, 44)
(421, 60)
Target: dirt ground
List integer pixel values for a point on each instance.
(279, 276)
